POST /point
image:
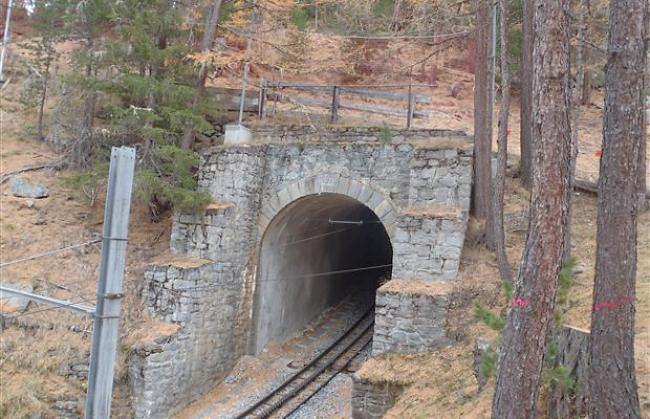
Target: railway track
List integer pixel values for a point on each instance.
(310, 379)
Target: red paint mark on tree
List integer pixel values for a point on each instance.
(598, 153)
(520, 302)
(613, 304)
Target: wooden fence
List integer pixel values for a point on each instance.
(330, 99)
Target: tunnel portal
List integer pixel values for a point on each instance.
(318, 250)
(234, 282)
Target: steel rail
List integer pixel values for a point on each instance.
(270, 408)
(336, 372)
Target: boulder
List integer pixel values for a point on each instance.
(23, 188)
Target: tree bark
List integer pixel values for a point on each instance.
(612, 377)
(206, 44)
(492, 53)
(396, 20)
(482, 188)
(502, 153)
(586, 80)
(529, 321)
(526, 116)
(575, 119)
(41, 106)
(573, 355)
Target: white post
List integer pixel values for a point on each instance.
(109, 286)
(5, 38)
(243, 94)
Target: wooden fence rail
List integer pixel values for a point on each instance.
(229, 99)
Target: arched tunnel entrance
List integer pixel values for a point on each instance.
(315, 252)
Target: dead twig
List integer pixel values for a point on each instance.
(6, 176)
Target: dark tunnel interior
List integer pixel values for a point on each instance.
(304, 250)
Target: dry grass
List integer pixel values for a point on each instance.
(31, 379)
(36, 344)
(435, 211)
(413, 287)
(167, 259)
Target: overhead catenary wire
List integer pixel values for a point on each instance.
(317, 236)
(49, 253)
(356, 224)
(312, 275)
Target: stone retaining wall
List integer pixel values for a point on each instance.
(370, 400)
(171, 371)
(410, 321)
(305, 133)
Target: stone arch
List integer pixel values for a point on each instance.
(294, 273)
(368, 195)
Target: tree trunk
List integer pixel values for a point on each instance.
(586, 80)
(396, 20)
(526, 116)
(644, 203)
(573, 355)
(482, 188)
(502, 153)
(492, 53)
(575, 119)
(529, 321)
(41, 107)
(612, 378)
(206, 44)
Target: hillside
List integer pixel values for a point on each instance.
(43, 352)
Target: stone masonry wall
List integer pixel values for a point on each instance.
(203, 299)
(417, 182)
(371, 400)
(410, 318)
(277, 134)
(427, 186)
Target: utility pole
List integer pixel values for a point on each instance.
(109, 286)
(5, 38)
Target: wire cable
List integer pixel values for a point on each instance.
(28, 313)
(317, 236)
(49, 253)
(313, 275)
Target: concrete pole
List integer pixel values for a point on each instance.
(5, 39)
(109, 286)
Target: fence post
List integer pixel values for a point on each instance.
(335, 104)
(109, 286)
(410, 109)
(261, 100)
